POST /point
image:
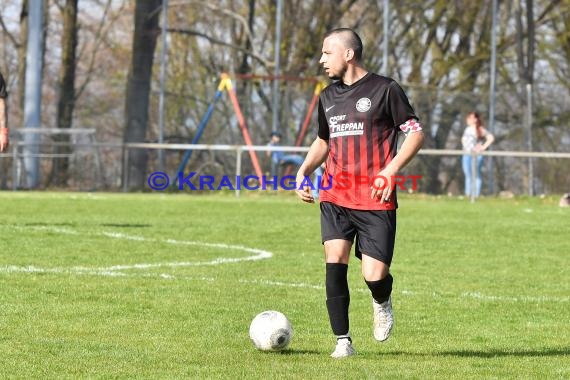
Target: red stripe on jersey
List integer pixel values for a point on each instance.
(364, 169)
(351, 162)
(386, 143)
(375, 141)
(339, 153)
(361, 167)
(331, 167)
(383, 150)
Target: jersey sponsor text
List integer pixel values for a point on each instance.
(344, 129)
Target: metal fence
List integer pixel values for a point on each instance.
(96, 166)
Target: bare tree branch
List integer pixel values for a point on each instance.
(10, 35)
(214, 40)
(99, 37)
(242, 20)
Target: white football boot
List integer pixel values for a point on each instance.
(343, 349)
(383, 319)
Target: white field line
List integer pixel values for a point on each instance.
(409, 293)
(72, 270)
(484, 297)
(283, 284)
(258, 254)
(255, 254)
(96, 272)
(115, 273)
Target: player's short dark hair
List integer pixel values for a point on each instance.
(351, 39)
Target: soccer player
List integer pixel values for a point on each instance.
(359, 118)
(3, 116)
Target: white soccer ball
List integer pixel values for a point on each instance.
(270, 331)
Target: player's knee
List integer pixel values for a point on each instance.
(337, 253)
(374, 270)
(336, 259)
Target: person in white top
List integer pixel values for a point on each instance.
(475, 139)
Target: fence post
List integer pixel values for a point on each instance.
(125, 167)
(15, 177)
(238, 170)
(473, 175)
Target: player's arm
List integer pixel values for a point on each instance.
(410, 147)
(405, 119)
(316, 156)
(3, 126)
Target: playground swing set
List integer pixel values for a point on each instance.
(227, 85)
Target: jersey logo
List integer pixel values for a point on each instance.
(329, 108)
(363, 104)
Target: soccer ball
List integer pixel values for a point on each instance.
(270, 331)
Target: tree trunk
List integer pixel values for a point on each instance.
(244, 67)
(525, 54)
(22, 54)
(147, 13)
(66, 103)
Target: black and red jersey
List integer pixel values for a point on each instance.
(361, 124)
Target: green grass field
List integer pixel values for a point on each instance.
(165, 286)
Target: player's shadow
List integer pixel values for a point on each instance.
(125, 225)
(487, 354)
(292, 352)
(506, 353)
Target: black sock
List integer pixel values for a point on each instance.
(381, 289)
(338, 297)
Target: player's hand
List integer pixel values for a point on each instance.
(383, 186)
(4, 141)
(305, 193)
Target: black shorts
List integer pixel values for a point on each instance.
(375, 230)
